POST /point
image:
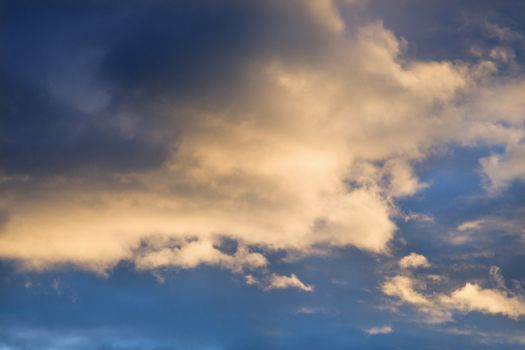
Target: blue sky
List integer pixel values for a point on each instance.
(317, 174)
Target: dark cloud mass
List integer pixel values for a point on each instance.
(41, 136)
(262, 174)
(143, 54)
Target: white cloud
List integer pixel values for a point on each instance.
(485, 232)
(473, 297)
(418, 217)
(458, 239)
(285, 282)
(413, 260)
(379, 330)
(274, 281)
(403, 287)
(470, 225)
(194, 253)
(503, 169)
(403, 182)
(439, 307)
(465, 232)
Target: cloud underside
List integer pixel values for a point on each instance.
(300, 155)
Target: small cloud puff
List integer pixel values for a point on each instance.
(378, 330)
(413, 260)
(470, 225)
(285, 282)
(308, 310)
(275, 281)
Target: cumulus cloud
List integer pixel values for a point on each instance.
(286, 147)
(413, 260)
(440, 307)
(473, 297)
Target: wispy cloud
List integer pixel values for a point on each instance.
(274, 281)
(379, 330)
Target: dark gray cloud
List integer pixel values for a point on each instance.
(39, 135)
(61, 113)
(41, 130)
(4, 218)
(208, 55)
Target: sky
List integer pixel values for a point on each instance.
(262, 174)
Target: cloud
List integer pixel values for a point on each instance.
(281, 131)
(501, 32)
(488, 337)
(327, 14)
(403, 182)
(379, 330)
(274, 281)
(465, 230)
(503, 169)
(413, 260)
(470, 225)
(473, 297)
(285, 282)
(440, 307)
(309, 310)
(194, 253)
(403, 287)
(490, 231)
